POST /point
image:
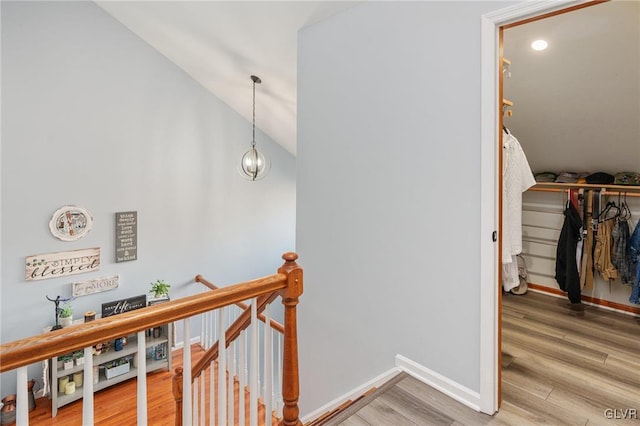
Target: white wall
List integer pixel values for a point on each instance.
(93, 116)
(388, 194)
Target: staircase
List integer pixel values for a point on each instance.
(243, 376)
(249, 370)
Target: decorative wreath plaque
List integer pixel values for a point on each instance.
(70, 223)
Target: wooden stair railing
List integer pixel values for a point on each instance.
(274, 324)
(287, 282)
(290, 387)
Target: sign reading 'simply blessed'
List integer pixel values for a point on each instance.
(61, 264)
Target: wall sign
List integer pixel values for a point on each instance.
(70, 223)
(126, 236)
(98, 285)
(61, 264)
(123, 305)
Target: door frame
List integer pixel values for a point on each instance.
(491, 184)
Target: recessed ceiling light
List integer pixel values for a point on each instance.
(539, 45)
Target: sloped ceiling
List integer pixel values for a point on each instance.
(580, 93)
(577, 103)
(222, 43)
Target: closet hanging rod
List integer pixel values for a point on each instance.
(630, 191)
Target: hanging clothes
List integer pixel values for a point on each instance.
(602, 252)
(516, 178)
(620, 254)
(634, 254)
(566, 267)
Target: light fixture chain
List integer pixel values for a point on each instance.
(253, 140)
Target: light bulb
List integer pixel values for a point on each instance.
(539, 45)
(254, 165)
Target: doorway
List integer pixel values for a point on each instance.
(491, 185)
(500, 34)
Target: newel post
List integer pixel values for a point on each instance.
(177, 394)
(290, 380)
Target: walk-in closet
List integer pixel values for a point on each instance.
(574, 108)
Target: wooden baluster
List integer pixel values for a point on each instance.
(268, 368)
(230, 373)
(290, 296)
(177, 394)
(186, 376)
(242, 376)
(254, 389)
(22, 400)
(196, 400)
(222, 367)
(142, 378)
(212, 393)
(203, 399)
(87, 388)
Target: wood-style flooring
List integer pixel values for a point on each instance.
(561, 366)
(116, 405)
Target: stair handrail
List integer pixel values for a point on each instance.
(274, 324)
(44, 346)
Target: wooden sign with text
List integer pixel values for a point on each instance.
(98, 285)
(61, 264)
(126, 236)
(124, 305)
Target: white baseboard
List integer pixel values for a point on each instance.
(180, 345)
(445, 385)
(352, 394)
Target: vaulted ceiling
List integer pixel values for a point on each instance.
(222, 43)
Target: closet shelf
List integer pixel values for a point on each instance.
(631, 191)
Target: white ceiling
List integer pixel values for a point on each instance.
(577, 103)
(222, 43)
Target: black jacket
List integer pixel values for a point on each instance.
(567, 273)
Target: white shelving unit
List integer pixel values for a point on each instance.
(158, 356)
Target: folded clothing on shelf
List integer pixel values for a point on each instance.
(627, 178)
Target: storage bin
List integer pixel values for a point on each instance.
(118, 370)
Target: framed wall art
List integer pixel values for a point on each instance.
(70, 223)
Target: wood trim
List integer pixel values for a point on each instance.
(274, 324)
(47, 345)
(589, 299)
(554, 13)
(500, 201)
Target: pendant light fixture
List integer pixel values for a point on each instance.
(254, 165)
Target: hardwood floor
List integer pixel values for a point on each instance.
(560, 367)
(117, 405)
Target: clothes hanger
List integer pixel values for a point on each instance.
(625, 211)
(604, 216)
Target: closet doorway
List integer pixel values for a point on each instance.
(574, 107)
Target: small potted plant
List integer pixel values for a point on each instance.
(78, 356)
(160, 289)
(67, 362)
(66, 314)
